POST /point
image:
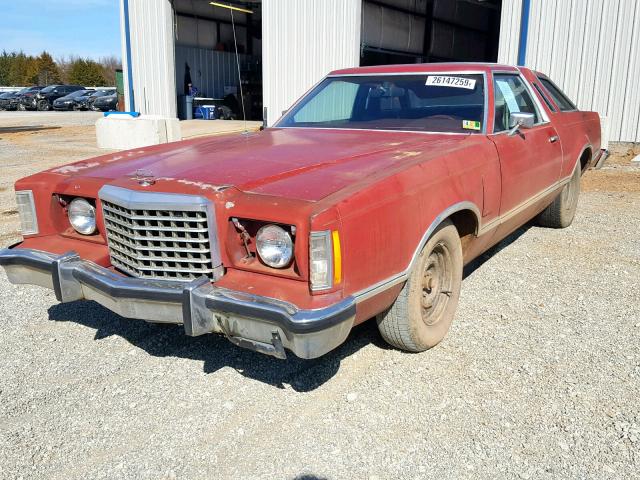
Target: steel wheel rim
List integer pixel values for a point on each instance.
(437, 280)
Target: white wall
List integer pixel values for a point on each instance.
(590, 48)
(152, 57)
(302, 40)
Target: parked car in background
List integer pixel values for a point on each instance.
(106, 103)
(370, 195)
(46, 96)
(5, 99)
(86, 103)
(26, 98)
(71, 101)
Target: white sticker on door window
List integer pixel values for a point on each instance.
(448, 81)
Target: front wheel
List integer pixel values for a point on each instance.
(422, 314)
(562, 211)
(43, 106)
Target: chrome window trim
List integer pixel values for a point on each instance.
(387, 74)
(541, 112)
(541, 77)
(374, 130)
(137, 200)
(549, 102)
(536, 100)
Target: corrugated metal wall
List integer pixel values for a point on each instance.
(590, 48)
(302, 40)
(210, 70)
(152, 57)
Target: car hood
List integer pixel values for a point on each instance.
(304, 164)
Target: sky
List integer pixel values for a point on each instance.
(85, 28)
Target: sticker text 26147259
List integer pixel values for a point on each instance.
(448, 81)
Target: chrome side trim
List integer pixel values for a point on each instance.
(137, 200)
(496, 222)
(380, 287)
(403, 275)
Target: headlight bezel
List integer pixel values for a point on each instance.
(92, 226)
(289, 248)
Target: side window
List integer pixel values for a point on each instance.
(333, 103)
(558, 96)
(511, 96)
(544, 97)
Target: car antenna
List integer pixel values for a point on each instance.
(235, 44)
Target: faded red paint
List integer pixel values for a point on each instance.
(380, 190)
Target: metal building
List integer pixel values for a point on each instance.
(590, 48)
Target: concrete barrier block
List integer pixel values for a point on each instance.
(122, 132)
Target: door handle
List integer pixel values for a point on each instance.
(554, 139)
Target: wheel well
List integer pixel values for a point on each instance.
(585, 158)
(466, 223)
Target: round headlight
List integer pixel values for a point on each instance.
(274, 246)
(82, 216)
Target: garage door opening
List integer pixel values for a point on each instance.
(206, 63)
(422, 31)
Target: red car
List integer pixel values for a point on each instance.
(364, 200)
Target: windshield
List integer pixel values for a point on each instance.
(424, 103)
(48, 89)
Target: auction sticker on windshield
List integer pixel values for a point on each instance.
(448, 81)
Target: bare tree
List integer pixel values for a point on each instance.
(110, 65)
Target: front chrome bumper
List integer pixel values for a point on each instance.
(259, 323)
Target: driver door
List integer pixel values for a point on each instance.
(531, 159)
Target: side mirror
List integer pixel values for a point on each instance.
(520, 120)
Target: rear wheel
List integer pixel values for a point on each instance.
(561, 212)
(422, 314)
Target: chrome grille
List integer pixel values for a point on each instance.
(159, 243)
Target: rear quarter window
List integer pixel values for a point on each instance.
(544, 97)
(558, 96)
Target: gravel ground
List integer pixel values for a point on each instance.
(538, 378)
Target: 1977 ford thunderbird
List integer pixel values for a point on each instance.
(364, 200)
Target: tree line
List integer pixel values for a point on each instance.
(18, 69)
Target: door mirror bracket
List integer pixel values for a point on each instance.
(520, 120)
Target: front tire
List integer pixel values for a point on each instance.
(422, 314)
(43, 106)
(562, 211)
